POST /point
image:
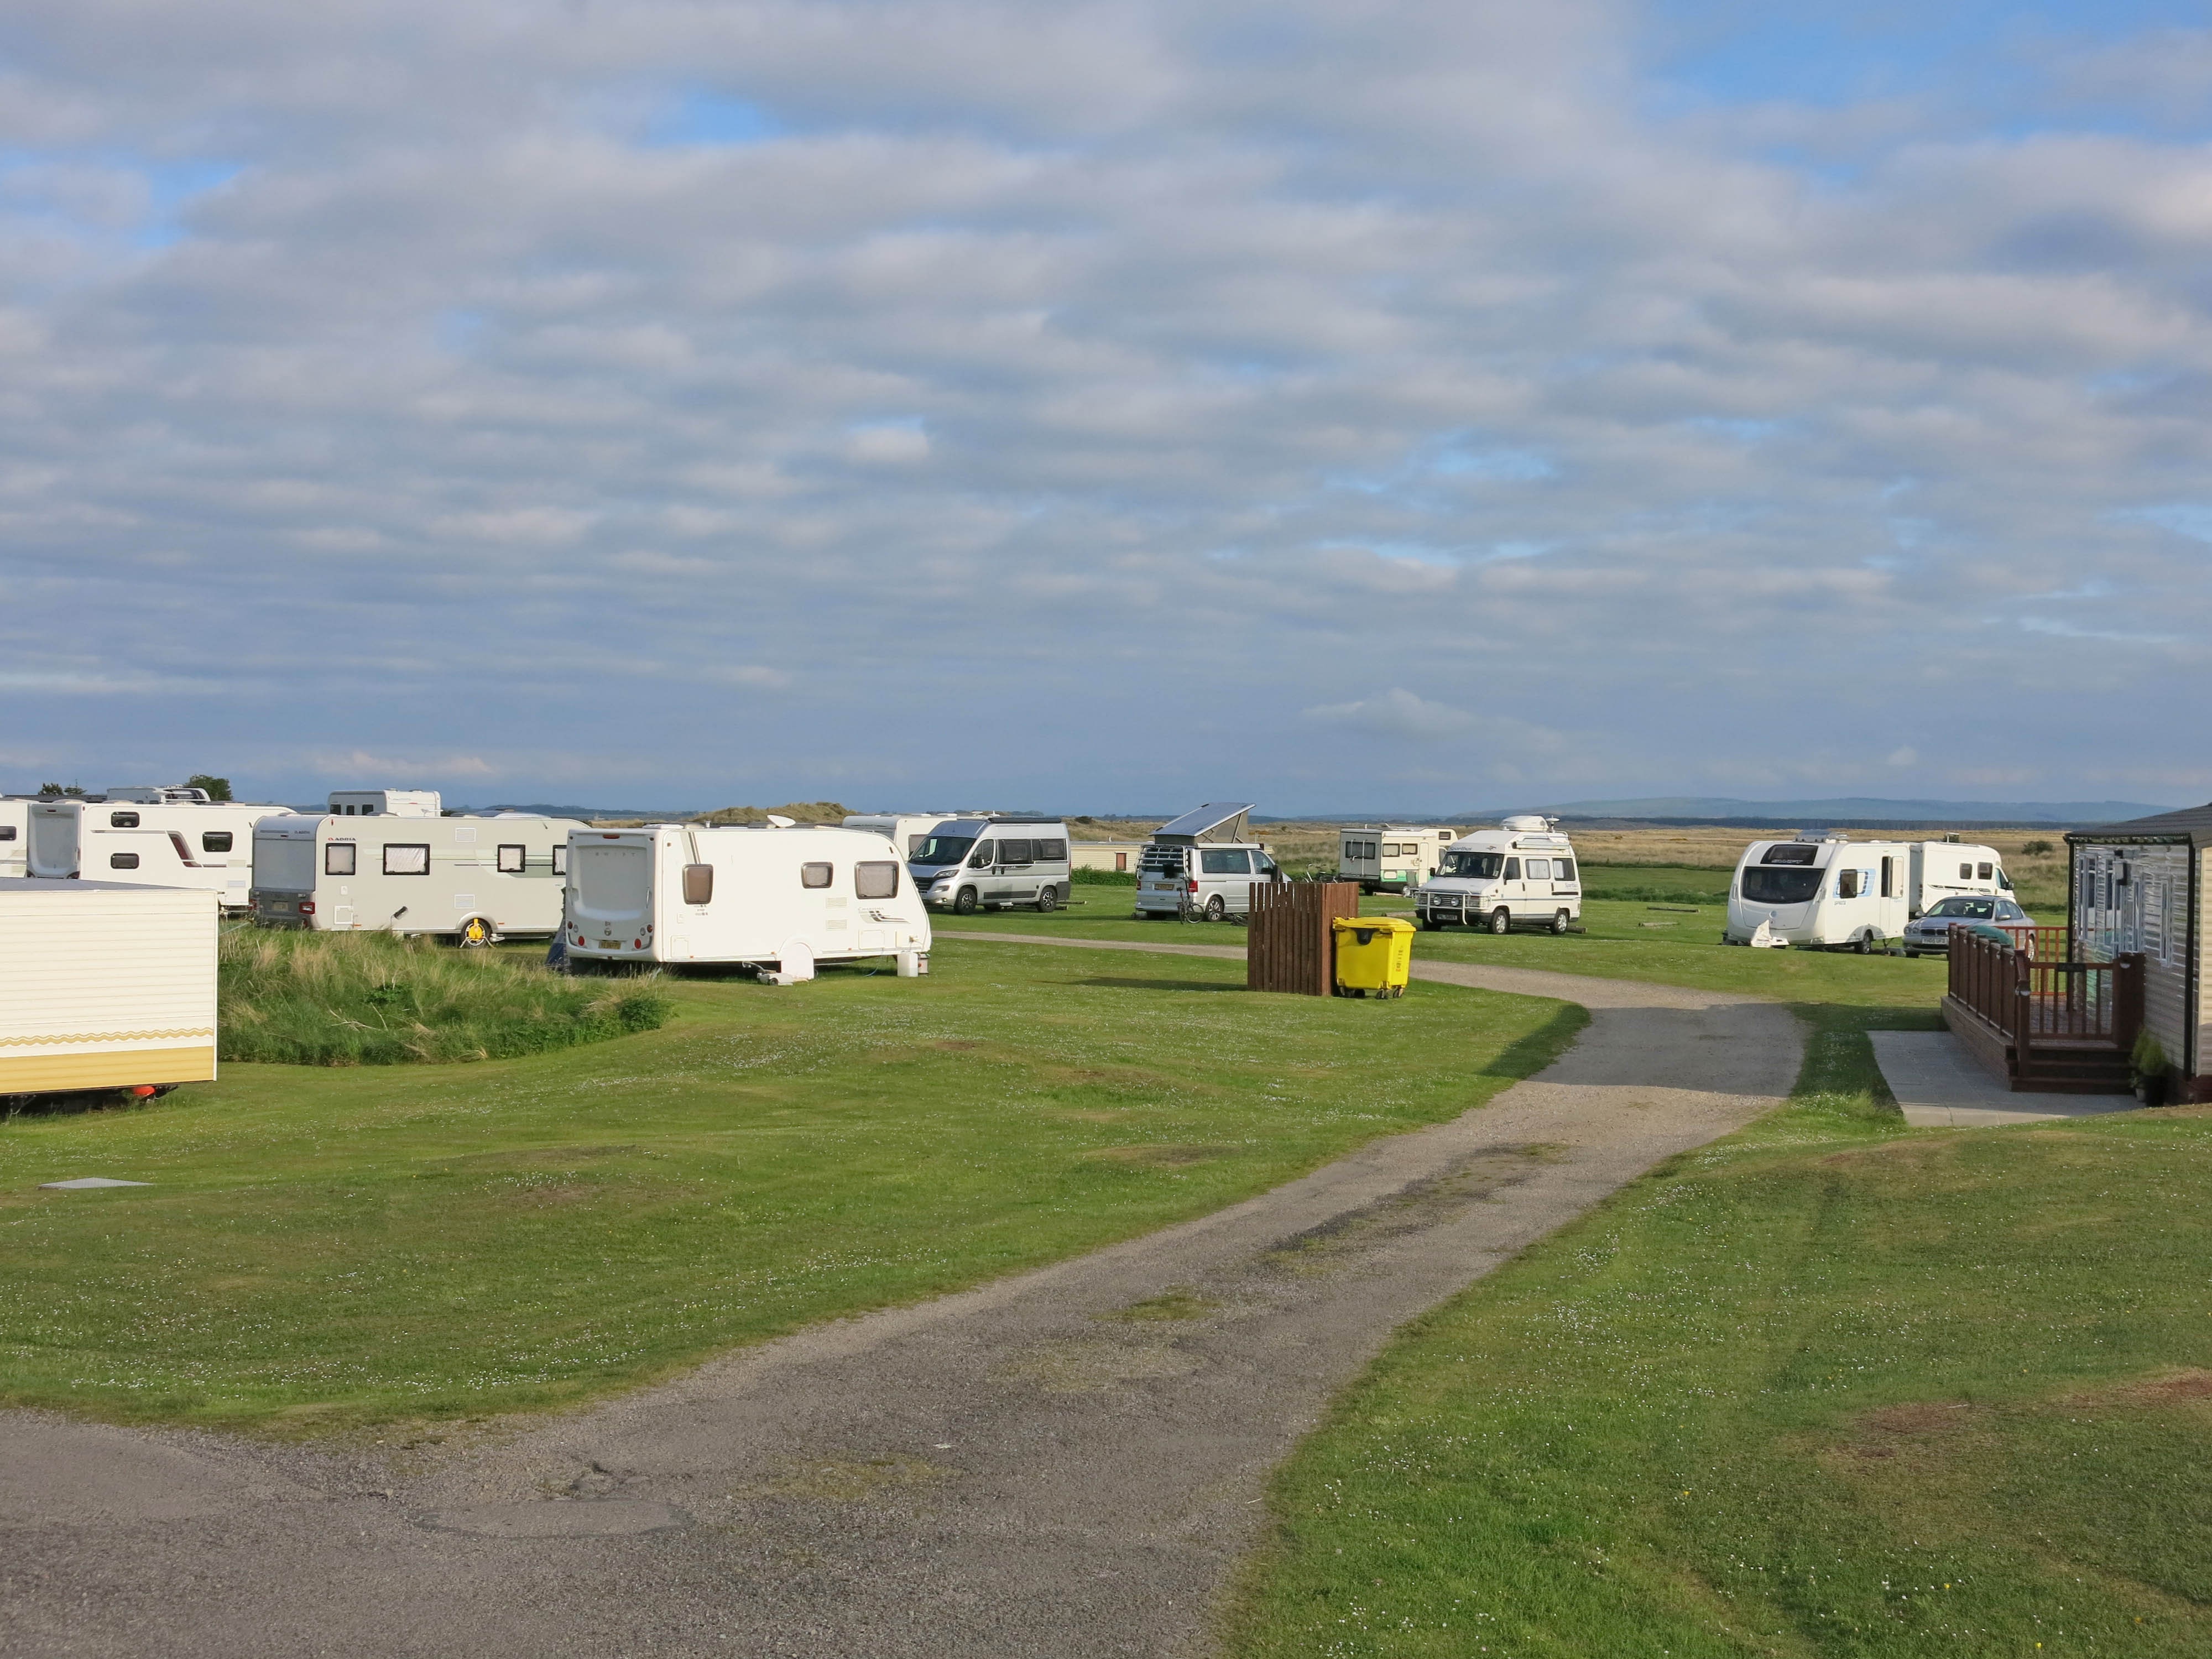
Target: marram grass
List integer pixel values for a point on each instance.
(305, 999)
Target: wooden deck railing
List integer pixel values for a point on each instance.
(2042, 999)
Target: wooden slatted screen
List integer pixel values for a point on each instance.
(1291, 946)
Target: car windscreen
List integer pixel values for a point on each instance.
(1476, 867)
(1764, 884)
(1972, 910)
(942, 850)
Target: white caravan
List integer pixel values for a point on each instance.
(128, 840)
(780, 899)
(387, 803)
(15, 836)
(472, 879)
(1831, 893)
(906, 831)
(1393, 857)
(965, 865)
(105, 986)
(1203, 864)
(1521, 874)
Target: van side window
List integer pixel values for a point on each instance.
(1539, 869)
(1965, 873)
(512, 858)
(123, 821)
(1512, 870)
(986, 856)
(1051, 852)
(1984, 871)
(122, 860)
(216, 841)
(561, 859)
(338, 858)
(698, 883)
(1263, 865)
(1223, 861)
(814, 875)
(877, 879)
(405, 858)
(1564, 869)
(1013, 851)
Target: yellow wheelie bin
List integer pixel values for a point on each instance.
(1374, 956)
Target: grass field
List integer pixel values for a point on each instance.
(322, 1248)
(1830, 1387)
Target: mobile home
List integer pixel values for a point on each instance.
(105, 986)
(1204, 863)
(15, 836)
(472, 879)
(1523, 874)
(128, 840)
(1391, 857)
(784, 899)
(2142, 888)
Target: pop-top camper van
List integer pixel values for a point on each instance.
(15, 836)
(964, 864)
(1521, 874)
(1391, 857)
(777, 897)
(1204, 864)
(148, 837)
(1826, 892)
(472, 879)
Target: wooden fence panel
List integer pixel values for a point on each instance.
(1290, 947)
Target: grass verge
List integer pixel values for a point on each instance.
(327, 1248)
(1830, 1388)
(305, 999)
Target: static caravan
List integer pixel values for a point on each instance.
(1119, 856)
(1828, 895)
(1521, 874)
(1204, 863)
(203, 844)
(15, 835)
(1391, 857)
(905, 830)
(2144, 887)
(778, 898)
(105, 986)
(473, 879)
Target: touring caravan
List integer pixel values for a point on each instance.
(1945, 869)
(1391, 857)
(1831, 893)
(906, 831)
(965, 865)
(1203, 864)
(472, 879)
(105, 986)
(1523, 874)
(15, 836)
(130, 841)
(778, 898)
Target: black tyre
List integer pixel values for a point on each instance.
(1863, 944)
(1429, 925)
(1560, 923)
(963, 903)
(1501, 921)
(1216, 907)
(1912, 954)
(1048, 899)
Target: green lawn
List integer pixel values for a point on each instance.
(325, 1247)
(1830, 1387)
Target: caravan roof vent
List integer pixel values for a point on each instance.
(1526, 821)
(1216, 821)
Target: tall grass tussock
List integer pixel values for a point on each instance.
(305, 999)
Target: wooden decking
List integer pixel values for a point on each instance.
(2040, 1024)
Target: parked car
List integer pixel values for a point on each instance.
(1932, 932)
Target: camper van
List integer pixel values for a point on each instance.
(475, 880)
(15, 836)
(1523, 874)
(1393, 857)
(906, 831)
(129, 839)
(966, 864)
(779, 897)
(1203, 864)
(1825, 893)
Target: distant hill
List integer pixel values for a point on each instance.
(1841, 811)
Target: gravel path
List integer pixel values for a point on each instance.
(1067, 1464)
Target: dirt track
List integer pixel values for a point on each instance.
(1022, 1469)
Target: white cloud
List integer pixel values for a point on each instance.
(1398, 713)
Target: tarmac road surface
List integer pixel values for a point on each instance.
(1020, 1469)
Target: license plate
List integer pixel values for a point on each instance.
(610, 944)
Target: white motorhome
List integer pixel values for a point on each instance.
(1523, 874)
(1391, 857)
(1203, 864)
(1828, 892)
(387, 803)
(777, 897)
(475, 880)
(127, 839)
(105, 986)
(15, 835)
(906, 831)
(965, 865)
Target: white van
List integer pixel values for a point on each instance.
(125, 839)
(1393, 857)
(15, 835)
(1203, 864)
(1523, 874)
(766, 897)
(473, 879)
(906, 831)
(1832, 893)
(965, 865)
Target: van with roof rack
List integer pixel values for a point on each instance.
(1523, 874)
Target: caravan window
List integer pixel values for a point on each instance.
(1791, 852)
(122, 860)
(698, 883)
(1763, 884)
(1847, 883)
(1965, 873)
(1013, 851)
(7, 832)
(1983, 871)
(814, 875)
(877, 879)
(216, 841)
(561, 859)
(512, 858)
(1472, 866)
(123, 821)
(338, 858)
(407, 857)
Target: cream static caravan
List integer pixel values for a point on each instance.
(105, 986)
(1391, 857)
(150, 838)
(472, 879)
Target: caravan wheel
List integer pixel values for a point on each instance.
(475, 933)
(1864, 943)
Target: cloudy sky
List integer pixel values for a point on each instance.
(1107, 405)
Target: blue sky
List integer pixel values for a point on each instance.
(1107, 405)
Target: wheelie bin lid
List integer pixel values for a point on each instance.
(1372, 925)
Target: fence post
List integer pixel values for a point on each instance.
(2023, 1014)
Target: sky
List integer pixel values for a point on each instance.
(1100, 407)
